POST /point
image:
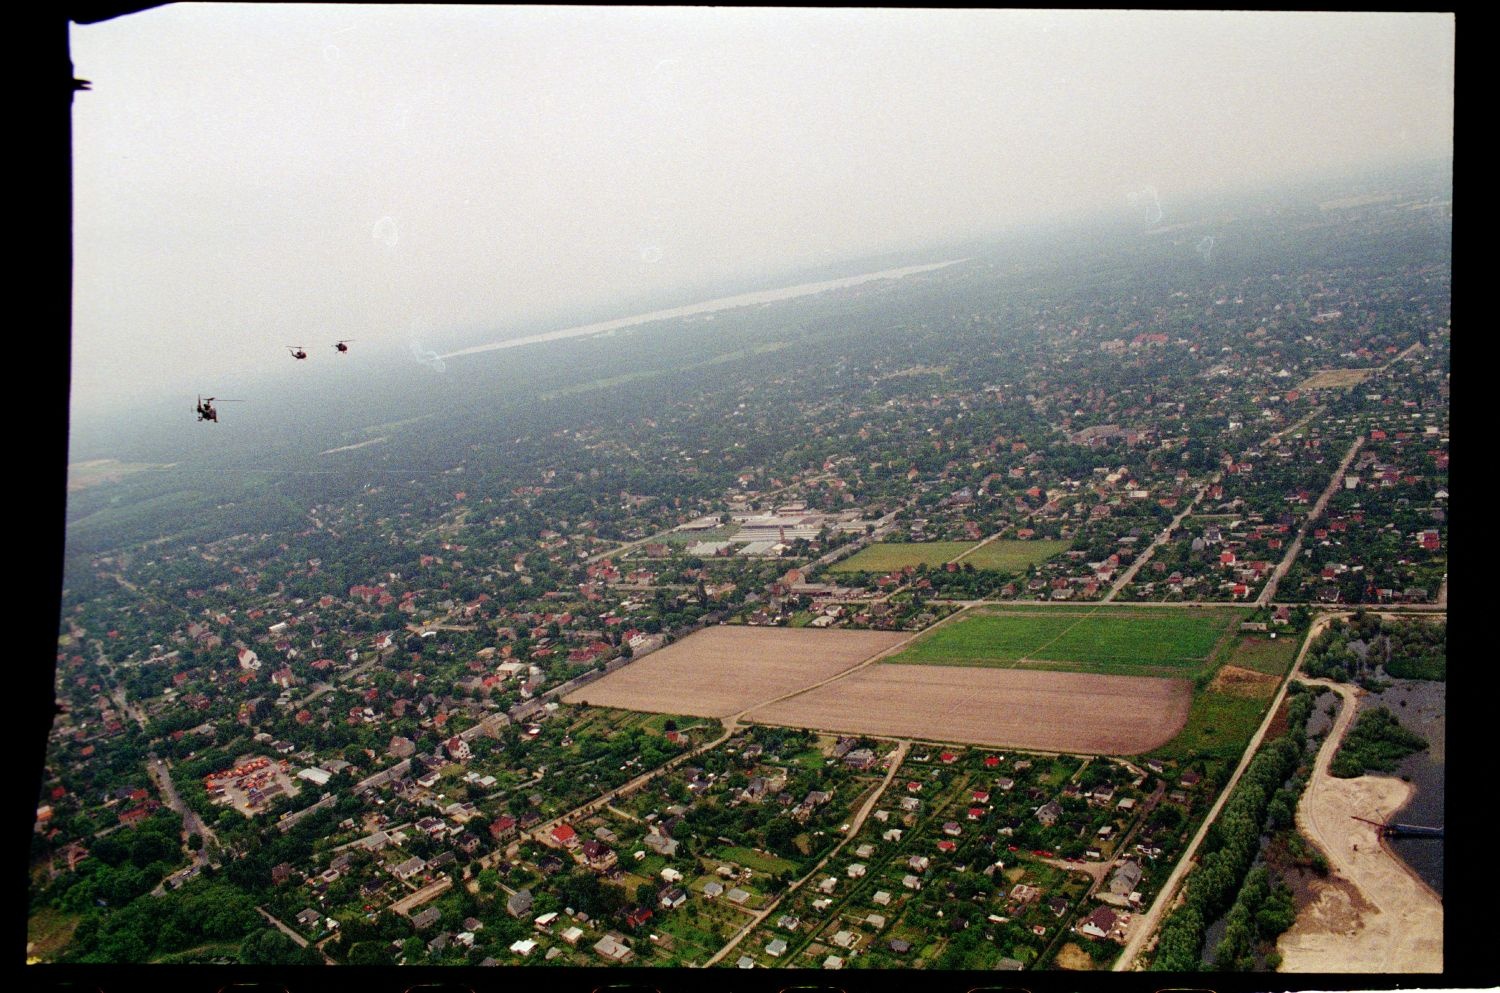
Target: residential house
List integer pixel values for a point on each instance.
(613, 947)
(1100, 924)
(518, 903)
(1126, 879)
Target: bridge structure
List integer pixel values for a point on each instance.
(1397, 830)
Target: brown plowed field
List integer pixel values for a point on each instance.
(1013, 708)
(723, 670)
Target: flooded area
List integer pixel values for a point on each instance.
(1321, 719)
(1325, 708)
(1420, 705)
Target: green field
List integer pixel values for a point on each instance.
(49, 932)
(1127, 641)
(1218, 726)
(884, 556)
(1263, 654)
(1014, 556)
(1001, 556)
(759, 861)
(721, 533)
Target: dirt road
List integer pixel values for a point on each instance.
(897, 758)
(1372, 914)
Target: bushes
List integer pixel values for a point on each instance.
(150, 926)
(1260, 913)
(1231, 846)
(1352, 651)
(1376, 743)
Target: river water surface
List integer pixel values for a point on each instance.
(722, 303)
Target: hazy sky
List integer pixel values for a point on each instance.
(254, 176)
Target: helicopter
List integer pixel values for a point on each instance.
(206, 410)
(341, 347)
(298, 352)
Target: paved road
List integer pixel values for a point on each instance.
(380, 655)
(161, 773)
(1298, 426)
(116, 691)
(301, 941)
(542, 831)
(1143, 932)
(731, 727)
(1157, 542)
(1269, 591)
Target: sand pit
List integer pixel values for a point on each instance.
(1372, 914)
(722, 670)
(1013, 708)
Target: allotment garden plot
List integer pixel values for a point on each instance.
(1170, 642)
(1043, 711)
(722, 670)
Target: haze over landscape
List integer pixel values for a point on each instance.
(426, 178)
(812, 489)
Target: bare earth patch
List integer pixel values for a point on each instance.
(1070, 956)
(96, 472)
(723, 670)
(1372, 914)
(1041, 711)
(48, 933)
(1235, 681)
(1331, 379)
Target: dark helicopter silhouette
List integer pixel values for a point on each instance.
(341, 347)
(298, 352)
(206, 409)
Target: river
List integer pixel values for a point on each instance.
(722, 303)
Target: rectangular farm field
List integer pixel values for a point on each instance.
(885, 556)
(1121, 640)
(722, 670)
